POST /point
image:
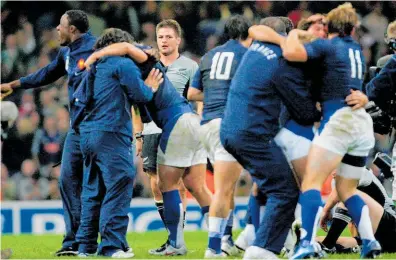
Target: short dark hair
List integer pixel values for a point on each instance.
(275, 23)
(237, 27)
(79, 19)
(113, 35)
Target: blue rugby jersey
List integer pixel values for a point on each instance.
(343, 68)
(216, 70)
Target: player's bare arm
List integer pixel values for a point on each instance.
(331, 201)
(195, 94)
(292, 48)
(7, 87)
(137, 129)
(265, 34)
(118, 49)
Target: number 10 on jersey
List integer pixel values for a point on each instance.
(221, 65)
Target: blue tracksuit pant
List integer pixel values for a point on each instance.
(269, 168)
(70, 184)
(107, 191)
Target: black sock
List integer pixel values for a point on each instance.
(160, 208)
(340, 220)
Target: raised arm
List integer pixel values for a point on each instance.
(265, 34)
(293, 49)
(42, 77)
(131, 79)
(118, 49)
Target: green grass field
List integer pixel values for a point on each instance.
(43, 246)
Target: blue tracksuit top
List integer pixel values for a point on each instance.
(70, 60)
(253, 106)
(117, 84)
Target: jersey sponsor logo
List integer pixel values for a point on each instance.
(146, 160)
(78, 73)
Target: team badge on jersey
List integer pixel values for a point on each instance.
(80, 64)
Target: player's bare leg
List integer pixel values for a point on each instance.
(157, 195)
(299, 166)
(195, 182)
(376, 214)
(226, 175)
(183, 194)
(321, 162)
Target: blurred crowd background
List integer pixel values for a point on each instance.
(30, 41)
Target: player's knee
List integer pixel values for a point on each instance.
(166, 186)
(151, 172)
(224, 192)
(195, 190)
(182, 188)
(157, 193)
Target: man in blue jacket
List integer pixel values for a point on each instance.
(112, 86)
(77, 44)
(247, 132)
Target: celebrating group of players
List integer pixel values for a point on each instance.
(260, 92)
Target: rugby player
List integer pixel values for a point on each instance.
(211, 84)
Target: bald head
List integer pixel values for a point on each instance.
(383, 60)
(9, 111)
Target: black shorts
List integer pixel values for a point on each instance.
(149, 152)
(386, 233)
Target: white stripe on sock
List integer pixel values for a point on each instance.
(230, 215)
(365, 228)
(297, 211)
(215, 224)
(289, 243)
(316, 224)
(342, 217)
(180, 232)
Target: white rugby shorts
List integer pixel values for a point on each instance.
(293, 146)
(183, 147)
(347, 132)
(209, 135)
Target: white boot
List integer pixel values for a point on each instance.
(255, 252)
